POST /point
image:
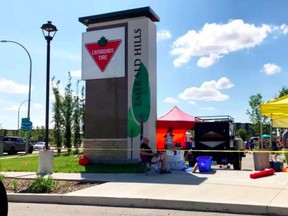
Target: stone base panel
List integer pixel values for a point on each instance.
(106, 150)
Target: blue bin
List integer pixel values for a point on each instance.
(204, 163)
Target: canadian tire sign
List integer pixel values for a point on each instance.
(103, 53)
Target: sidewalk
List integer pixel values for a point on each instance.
(219, 190)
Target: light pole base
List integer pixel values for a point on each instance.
(45, 162)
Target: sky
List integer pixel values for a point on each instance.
(211, 55)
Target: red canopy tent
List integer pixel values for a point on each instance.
(179, 121)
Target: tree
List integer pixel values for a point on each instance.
(82, 109)
(242, 133)
(57, 116)
(68, 115)
(11, 133)
(37, 134)
(254, 114)
(67, 108)
(76, 120)
(282, 92)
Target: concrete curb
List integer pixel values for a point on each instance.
(147, 203)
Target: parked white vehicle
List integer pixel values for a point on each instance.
(39, 146)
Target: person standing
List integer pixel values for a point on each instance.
(188, 140)
(169, 139)
(284, 143)
(247, 144)
(284, 139)
(252, 144)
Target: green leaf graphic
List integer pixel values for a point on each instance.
(141, 95)
(133, 127)
(103, 41)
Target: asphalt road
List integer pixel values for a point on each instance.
(29, 209)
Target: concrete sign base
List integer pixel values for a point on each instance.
(45, 162)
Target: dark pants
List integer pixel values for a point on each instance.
(3, 200)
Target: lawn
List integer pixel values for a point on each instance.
(64, 164)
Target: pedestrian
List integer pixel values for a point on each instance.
(188, 140)
(247, 144)
(169, 139)
(284, 139)
(252, 144)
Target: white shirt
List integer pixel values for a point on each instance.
(169, 139)
(188, 136)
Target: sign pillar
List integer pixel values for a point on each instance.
(119, 67)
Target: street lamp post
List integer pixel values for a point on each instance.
(29, 91)
(19, 115)
(47, 30)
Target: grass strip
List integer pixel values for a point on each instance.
(65, 164)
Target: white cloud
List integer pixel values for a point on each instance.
(163, 35)
(205, 62)
(192, 103)
(208, 91)
(284, 29)
(170, 100)
(281, 29)
(13, 108)
(214, 41)
(11, 87)
(76, 73)
(208, 108)
(224, 83)
(70, 55)
(37, 106)
(271, 69)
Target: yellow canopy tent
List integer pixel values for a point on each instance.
(277, 111)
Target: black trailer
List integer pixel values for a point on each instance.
(215, 136)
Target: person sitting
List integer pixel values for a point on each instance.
(151, 157)
(188, 156)
(275, 146)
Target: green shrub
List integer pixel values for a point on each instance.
(2, 177)
(42, 185)
(15, 185)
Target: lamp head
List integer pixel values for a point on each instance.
(49, 30)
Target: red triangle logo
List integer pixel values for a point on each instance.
(103, 51)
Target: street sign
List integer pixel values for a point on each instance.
(27, 128)
(26, 124)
